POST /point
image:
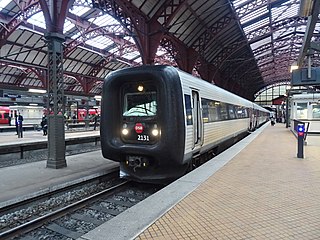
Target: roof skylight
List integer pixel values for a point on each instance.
(67, 26)
(100, 42)
(103, 20)
(254, 14)
(79, 10)
(38, 20)
(4, 3)
(131, 55)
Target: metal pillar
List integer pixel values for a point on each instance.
(55, 103)
(288, 112)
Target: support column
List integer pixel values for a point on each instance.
(55, 103)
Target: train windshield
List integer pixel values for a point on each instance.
(140, 104)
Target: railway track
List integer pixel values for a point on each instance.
(72, 220)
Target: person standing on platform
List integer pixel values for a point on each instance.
(44, 125)
(9, 120)
(272, 121)
(20, 127)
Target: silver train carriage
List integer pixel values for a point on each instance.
(160, 122)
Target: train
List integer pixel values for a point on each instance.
(82, 113)
(159, 122)
(4, 115)
(31, 114)
(34, 114)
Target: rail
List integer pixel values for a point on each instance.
(41, 220)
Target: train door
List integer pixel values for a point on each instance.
(197, 120)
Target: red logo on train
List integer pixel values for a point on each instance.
(138, 128)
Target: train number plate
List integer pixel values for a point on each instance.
(144, 138)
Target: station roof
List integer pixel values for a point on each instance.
(240, 45)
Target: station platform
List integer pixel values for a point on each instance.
(257, 189)
(8, 138)
(28, 180)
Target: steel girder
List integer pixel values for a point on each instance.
(28, 9)
(312, 20)
(146, 32)
(186, 57)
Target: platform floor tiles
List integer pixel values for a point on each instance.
(265, 192)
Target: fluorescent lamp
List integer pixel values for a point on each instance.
(97, 97)
(37, 90)
(33, 104)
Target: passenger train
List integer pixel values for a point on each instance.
(31, 114)
(34, 114)
(160, 122)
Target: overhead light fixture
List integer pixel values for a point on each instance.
(98, 97)
(305, 9)
(37, 90)
(33, 104)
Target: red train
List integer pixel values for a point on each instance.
(4, 115)
(82, 113)
(34, 114)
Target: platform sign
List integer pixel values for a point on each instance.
(300, 77)
(300, 129)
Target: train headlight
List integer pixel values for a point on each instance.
(140, 88)
(155, 132)
(125, 131)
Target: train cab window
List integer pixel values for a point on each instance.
(187, 99)
(140, 104)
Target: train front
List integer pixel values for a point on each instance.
(142, 123)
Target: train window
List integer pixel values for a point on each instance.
(241, 112)
(213, 111)
(205, 110)
(210, 110)
(187, 99)
(231, 111)
(140, 104)
(216, 111)
(223, 111)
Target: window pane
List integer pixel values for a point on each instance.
(316, 111)
(187, 99)
(140, 104)
(302, 110)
